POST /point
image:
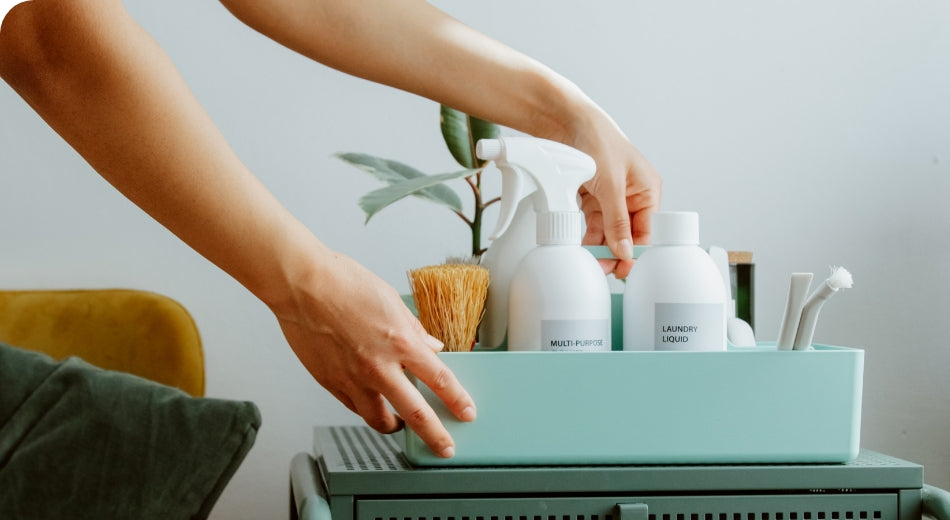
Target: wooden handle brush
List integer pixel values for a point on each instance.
(450, 299)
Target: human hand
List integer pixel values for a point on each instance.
(618, 201)
(357, 338)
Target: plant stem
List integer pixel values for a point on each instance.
(463, 217)
(477, 234)
(476, 222)
(476, 185)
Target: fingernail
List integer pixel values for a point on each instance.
(626, 249)
(434, 343)
(468, 414)
(447, 453)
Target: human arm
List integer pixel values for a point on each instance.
(108, 89)
(413, 46)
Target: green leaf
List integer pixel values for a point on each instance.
(482, 129)
(461, 132)
(376, 200)
(386, 170)
(393, 172)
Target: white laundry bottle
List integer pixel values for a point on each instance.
(557, 295)
(674, 298)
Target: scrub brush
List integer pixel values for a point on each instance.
(450, 299)
(840, 279)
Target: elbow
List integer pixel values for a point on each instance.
(33, 59)
(47, 47)
(235, 7)
(20, 58)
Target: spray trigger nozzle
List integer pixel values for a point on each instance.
(488, 149)
(528, 165)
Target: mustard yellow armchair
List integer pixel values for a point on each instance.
(139, 332)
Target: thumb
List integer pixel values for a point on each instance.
(429, 340)
(617, 232)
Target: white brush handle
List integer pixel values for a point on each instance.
(797, 292)
(809, 320)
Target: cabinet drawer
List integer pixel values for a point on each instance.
(817, 506)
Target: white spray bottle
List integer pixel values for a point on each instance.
(554, 291)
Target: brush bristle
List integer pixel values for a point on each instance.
(463, 260)
(450, 299)
(840, 278)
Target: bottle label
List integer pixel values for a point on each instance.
(689, 326)
(575, 335)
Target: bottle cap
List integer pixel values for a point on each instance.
(674, 228)
(560, 228)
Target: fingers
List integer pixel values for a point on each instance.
(431, 341)
(616, 226)
(419, 416)
(641, 225)
(596, 235)
(431, 371)
(371, 406)
(442, 382)
(434, 343)
(389, 385)
(409, 403)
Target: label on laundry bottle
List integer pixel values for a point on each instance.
(575, 335)
(690, 326)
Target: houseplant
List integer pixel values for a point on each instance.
(461, 132)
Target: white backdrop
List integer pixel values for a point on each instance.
(811, 133)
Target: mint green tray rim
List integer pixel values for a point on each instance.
(745, 405)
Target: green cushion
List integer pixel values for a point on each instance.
(77, 441)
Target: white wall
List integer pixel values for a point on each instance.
(811, 133)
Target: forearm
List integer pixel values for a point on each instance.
(110, 92)
(108, 89)
(413, 46)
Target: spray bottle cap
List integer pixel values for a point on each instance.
(551, 170)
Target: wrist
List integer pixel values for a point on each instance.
(560, 110)
(303, 268)
(564, 113)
